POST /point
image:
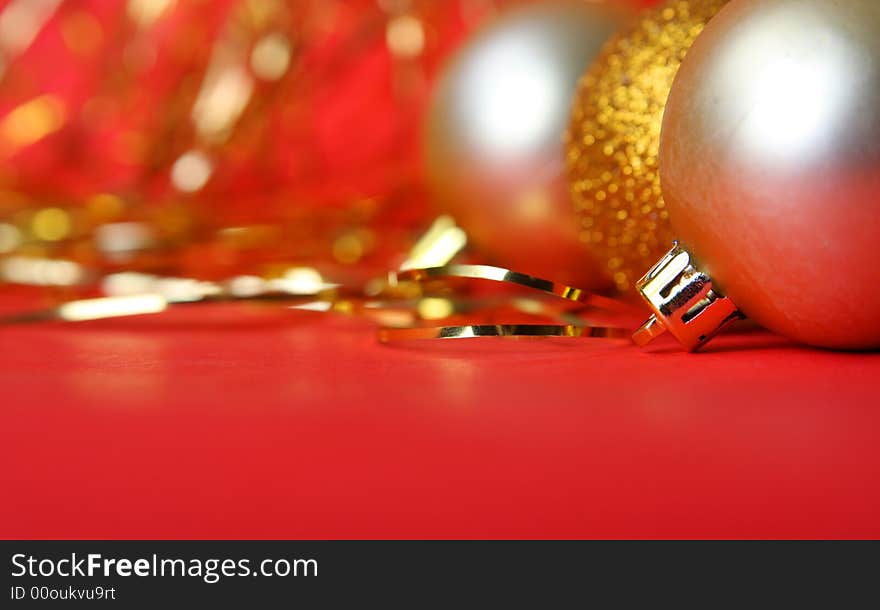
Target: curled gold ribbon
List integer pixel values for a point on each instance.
(500, 274)
(577, 328)
(396, 317)
(388, 335)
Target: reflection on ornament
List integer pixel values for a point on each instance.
(770, 160)
(494, 136)
(612, 144)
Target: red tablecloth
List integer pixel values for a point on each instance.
(218, 423)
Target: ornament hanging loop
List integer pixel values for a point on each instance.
(684, 302)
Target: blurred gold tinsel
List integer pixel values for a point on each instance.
(197, 156)
(202, 139)
(612, 144)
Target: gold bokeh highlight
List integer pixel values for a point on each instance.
(30, 122)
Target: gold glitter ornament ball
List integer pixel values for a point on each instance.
(613, 140)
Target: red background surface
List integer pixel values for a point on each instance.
(232, 423)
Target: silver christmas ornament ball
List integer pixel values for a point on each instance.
(770, 164)
(494, 135)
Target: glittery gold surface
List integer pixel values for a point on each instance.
(612, 145)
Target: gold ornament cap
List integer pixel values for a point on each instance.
(685, 302)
